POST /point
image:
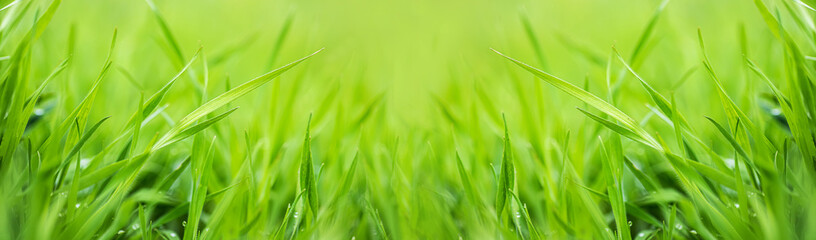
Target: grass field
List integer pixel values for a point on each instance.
(362, 119)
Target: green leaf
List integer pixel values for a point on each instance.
(590, 99)
(192, 130)
(306, 173)
(507, 173)
(223, 99)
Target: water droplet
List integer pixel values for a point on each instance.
(77, 205)
(297, 214)
(630, 223)
(693, 232)
(641, 235)
(736, 205)
(173, 235)
(518, 215)
(135, 226)
(776, 111)
(184, 223)
(120, 232)
(678, 226)
(39, 111)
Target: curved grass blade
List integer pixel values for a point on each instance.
(590, 99)
(190, 131)
(224, 99)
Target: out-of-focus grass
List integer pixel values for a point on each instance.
(219, 120)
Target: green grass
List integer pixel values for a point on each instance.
(394, 120)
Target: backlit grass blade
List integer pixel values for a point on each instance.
(223, 99)
(735, 114)
(658, 99)
(306, 173)
(618, 129)
(590, 99)
(191, 130)
(507, 172)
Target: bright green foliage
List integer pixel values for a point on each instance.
(645, 119)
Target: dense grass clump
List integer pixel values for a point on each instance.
(394, 120)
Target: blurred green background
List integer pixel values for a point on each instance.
(410, 50)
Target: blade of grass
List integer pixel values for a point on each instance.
(590, 99)
(223, 99)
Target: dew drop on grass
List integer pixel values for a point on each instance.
(678, 226)
(518, 215)
(173, 235)
(693, 232)
(77, 205)
(630, 223)
(184, 223)
(135, 226)
(120, 232)
(641, 235)
(736, 205)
